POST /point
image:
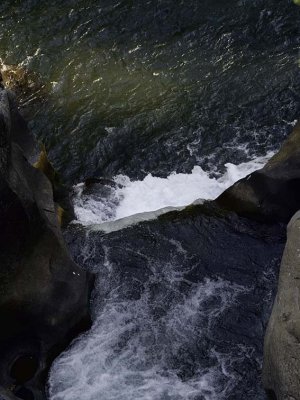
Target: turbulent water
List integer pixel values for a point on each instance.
(175, 318)
(128, 197)
(172, 101)
(129, 354)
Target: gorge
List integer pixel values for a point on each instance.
(151, 272)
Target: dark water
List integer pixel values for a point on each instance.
(136, 87)
(180, 309)
(156, 86)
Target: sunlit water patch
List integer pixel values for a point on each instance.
(127, 197)
(176, 81)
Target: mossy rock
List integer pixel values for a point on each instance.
(44, 165)
(24, 83)
(64, 208)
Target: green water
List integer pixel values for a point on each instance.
(155, 86)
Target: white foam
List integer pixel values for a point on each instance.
(130, 355)
(153, 193)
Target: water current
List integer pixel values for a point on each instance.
(172, 101)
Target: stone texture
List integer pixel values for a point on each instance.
(43, 293)
(272, 193)
(282, 341)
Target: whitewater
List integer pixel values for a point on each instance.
(130, 197)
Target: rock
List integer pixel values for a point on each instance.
(281, 349)
(43, 293)
(6, 395)
(101, 181)
(273, 192)
(26, 84)
(61, 192)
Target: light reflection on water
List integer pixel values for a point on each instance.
(161, 76)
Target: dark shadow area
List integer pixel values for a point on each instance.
(24, 368)
(24, 393)
(271, 395)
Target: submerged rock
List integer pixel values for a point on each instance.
(281, 349)
(273, 192)
(43, 293)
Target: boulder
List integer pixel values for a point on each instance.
(26, 84)
(43, 293)
(6, 395)
(281, 347)
(273, 192)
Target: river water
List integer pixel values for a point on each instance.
(173, 101)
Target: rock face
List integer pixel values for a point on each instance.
(272, 193)
(281, 350)
(43, 293)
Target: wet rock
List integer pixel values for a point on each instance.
(272, 193)
(61, 192)
(99, 187)
(6, 395)
(26, 84)
(90, 182)
(43, 293)
(281, 349)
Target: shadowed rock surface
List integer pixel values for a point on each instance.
(273, 192)
(43, 293)
(6, 395)
(281, 350)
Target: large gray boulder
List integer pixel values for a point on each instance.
(281, 370)
(43, 293)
